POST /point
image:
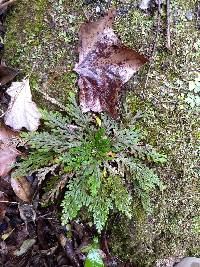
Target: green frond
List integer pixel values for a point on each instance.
(101, 164)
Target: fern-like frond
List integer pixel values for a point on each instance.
(102, 164)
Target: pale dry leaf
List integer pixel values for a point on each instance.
(26, 245)
(22, 111)
(22, 188)
(105, 64)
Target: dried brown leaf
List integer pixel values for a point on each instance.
(22, 188)
(8, 152)
(105, 64)
(7, 134)
(8, 155)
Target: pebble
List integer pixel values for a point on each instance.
(189, 262)
(189, 15)
(98, 9)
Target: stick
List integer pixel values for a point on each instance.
(155, 42)
(51, 99)
(3, 5)
(168, 36)
(9, 202)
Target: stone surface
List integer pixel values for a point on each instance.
(189, 262)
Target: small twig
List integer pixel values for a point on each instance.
(51, 100)
(168, 32)
(5, 4)
(47, 84)
(9, 202)
(155, 42)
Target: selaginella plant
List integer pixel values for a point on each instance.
(102, 165)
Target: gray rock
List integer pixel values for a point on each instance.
(189, 262)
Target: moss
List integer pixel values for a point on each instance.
(172, 126)
(42, 40)
(45, 44)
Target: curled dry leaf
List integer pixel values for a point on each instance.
(22, 188)
(22, 111)
(7, 74)
(105, 64)
(8, 152)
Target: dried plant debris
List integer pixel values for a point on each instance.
(22, 188)
(5, 3)
(105, 64)
(7, 74)
(22, 111)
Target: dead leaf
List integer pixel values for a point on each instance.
(22, 188)
(3, 205)
(8, 155)
(8, 152)
(6, 134)
(26, 245)
(27, 213)
(105, 64)
(22, 111)
(68, 247)
(7, 74)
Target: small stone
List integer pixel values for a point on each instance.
(189, 262)
(98, 9)
(189, 15)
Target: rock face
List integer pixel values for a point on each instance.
(45, 37)
(189, 262)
